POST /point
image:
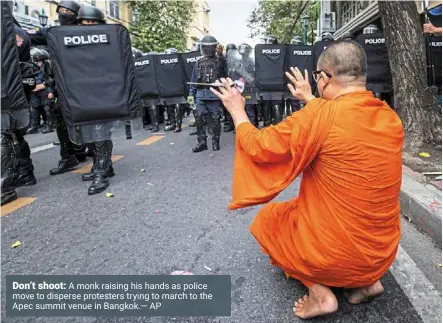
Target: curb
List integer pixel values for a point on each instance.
(422, 204)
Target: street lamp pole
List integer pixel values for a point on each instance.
(305, 20)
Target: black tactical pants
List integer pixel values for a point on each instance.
(16, 164)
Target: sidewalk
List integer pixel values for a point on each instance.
(421, 203)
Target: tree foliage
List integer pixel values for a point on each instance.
(159, 25)
(283, 19)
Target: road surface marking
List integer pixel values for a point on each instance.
(422, 294)
(15, 205)
(41, 148)
(86, 169)
(150, 140)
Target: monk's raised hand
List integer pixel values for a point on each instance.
(231, 97)
(300, 87)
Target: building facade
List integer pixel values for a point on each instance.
(339, 17)
(200, 25)
(27, 12)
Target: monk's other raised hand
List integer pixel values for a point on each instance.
(300, 87)
(232, 98)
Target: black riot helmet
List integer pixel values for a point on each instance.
(68, 17)
(327, 37)
(244, 49)
(45, 55)
(208, 46)
(230, 46)
(136, 53)
(270, 39)
(36, 54)
(91, 13)
(171, 51)
(370, 29)
(347, 36)
(297, 40)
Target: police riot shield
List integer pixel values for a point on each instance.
(319, 47)
(378, 79)
(436, 56)
(242, 65)
(188, 61)
(145, 76)
(270, 61)
(302, 57)
(14, 104)
(170, 76)
(94, 72)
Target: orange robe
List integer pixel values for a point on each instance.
(343, 229)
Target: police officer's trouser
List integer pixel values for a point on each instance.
(212, 112)
(70, 153)
(251, 111)
(16, 164)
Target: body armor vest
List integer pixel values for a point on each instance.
(209, 69)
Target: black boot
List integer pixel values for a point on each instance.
(49, 127)
(278, 113)
(154, 118)
(25, 167)
(103, 153)
(128, 129)
(201, 134)
(267, 107)
(9, 169)
(178, 118)
(68, 160)
(216, 130)
(34, 116)
(171, 118)
(90, 176)
(80, 152)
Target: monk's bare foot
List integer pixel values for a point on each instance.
(321, 301)
(365, 294)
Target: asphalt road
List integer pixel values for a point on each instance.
(173, 216)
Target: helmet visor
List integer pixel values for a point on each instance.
(208, 50)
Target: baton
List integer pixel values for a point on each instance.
(239, 84)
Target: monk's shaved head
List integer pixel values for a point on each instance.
(346, 61)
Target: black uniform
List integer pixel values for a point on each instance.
(16, 163)
(208, 69)
(70, 153)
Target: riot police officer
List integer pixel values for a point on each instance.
(270, 39)
(327, 36)
(174, 112)
(297, 40)
(272, 107)
(370, 29)
(102, 163)
(347, 36)
(208, 69)
(245, 51)
(16, 163)
(40, 96)
(228, 123)
(70, 153)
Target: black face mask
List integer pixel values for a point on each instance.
(66, 19)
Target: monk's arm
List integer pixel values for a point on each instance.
(268, 145)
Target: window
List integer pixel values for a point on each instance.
(93, 3)
(26, 10)
(114, 9)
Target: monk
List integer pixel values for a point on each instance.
(343, 230)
